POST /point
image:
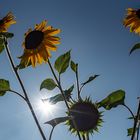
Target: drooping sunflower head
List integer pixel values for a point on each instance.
(6, 22)
(85, 117)
(132, 20)
(38, 43)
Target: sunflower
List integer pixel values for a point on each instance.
(132, 20)
(85, 117)
(6, 22)
(38, 43)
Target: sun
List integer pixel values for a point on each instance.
(45, 107)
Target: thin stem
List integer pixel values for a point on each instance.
(87, 136)
(81, 88)
(18, 94)
(72, 99)
(138, 130)
(50, 137)
(136, 121)
(83, 136)
(129, 110)
(59, 79)
(62, 92)
(24, 91)
(77, 81)
(58, 84)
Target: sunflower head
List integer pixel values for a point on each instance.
(85, 117)
(6, 22)
(38, 43)
(132, 20)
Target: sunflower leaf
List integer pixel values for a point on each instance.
(131, 118)
(58, 98)
(74, 66)
(48, 84)
(62, 62)
(91, 78)
(1, 44)
(7, 35)
(129, 132)
(113, 100)
(136, 46)
(22, 65)
(57, 121)
(4, 86)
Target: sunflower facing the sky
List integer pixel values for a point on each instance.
(38, 43)
(6, 22)
(86, 117)
(132, 20)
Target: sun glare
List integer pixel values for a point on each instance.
(45, 107)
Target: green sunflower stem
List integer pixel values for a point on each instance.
(136, 122)
(87, 136)
(59, 85)
(83, 136)
(50, 137)
(138, 131)
(17, 94)
(129, 110)
(77, 81)
(24, 91)
(61, 90)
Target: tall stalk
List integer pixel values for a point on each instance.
(62, 92)
(23, 88)
(136, 122)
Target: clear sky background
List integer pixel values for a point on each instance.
(100, 44)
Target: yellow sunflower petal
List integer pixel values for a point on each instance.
(51, 47)
(38, 43)
(33, 60)
(132, 20)
(6, 22)
(52, 32)
(41, 26)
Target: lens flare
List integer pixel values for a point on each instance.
(45, 107)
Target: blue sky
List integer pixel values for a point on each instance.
(100, 44)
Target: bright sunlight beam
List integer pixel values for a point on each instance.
(45, 107)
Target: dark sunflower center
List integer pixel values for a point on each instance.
(33, 39)
(85, 116)
(138, 13)
(1, 22)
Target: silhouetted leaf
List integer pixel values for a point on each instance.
(57, 121)
(91, 78)
(22, 65)
(73, 66)
(58, 98)
(1, 44)
(137, 46)
(48, 84)
(62, 62)
(4, 86)
(6, 34)
(129, 132)
(113, 100)
(131, 118)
